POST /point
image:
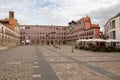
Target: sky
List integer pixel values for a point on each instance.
(59, 12)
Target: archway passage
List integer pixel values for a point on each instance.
(47, 42)
(52, 42)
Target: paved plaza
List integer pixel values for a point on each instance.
(50, 63)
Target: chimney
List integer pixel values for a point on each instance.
(11, 15)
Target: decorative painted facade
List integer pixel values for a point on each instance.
(83, 29)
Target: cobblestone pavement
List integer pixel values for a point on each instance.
(82, 65)
(17, 63)
(49, 63)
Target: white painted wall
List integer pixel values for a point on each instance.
(117, 27)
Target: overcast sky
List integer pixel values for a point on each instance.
(59, 12)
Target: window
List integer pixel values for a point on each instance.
(110, 26)
(28, 27)
(23, 27)
(20, 37)
(113, 24)
(113, 34)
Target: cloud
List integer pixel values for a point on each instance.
(59, 12)
(102, 15)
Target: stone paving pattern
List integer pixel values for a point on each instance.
(49, 63)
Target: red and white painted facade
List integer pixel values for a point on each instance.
(45, 34)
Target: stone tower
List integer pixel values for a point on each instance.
(11, 15)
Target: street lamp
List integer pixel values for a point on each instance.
(71, 24)
(59, 38)
(53, 34)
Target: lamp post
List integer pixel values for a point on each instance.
(71, 24)
(53, 34)
(59, 38)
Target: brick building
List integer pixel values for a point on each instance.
(43, 34)
(83, 29)
(9, 31)
(50, 34)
